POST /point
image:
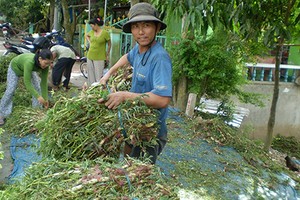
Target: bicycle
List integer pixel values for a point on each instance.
(83, 67)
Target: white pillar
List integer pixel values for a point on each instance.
(89, 10)
(104, 17)
(190, 107)
(55, 20)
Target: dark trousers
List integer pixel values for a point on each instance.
(63, 66)
(151, 151)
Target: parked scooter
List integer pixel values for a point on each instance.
(17, 48)
(27, 40)
(38, 43)
(6, 30)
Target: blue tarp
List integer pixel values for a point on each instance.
(201, 156)
(23, 152)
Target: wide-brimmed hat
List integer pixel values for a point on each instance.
(97, 21)
(142, 12)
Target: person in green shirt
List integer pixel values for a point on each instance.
(28, 66)
(99, 50)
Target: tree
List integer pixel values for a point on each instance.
(274, 22)
(270, 22)
(21, 12)
(70, 26)
(195, 16)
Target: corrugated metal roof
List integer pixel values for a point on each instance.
(211, 106)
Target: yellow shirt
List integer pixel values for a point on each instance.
(97, 50)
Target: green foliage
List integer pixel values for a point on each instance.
(226, 110)
(255, 19)
(4, 63)
(196, 15)
(196, 168)
(214, 130)
(22, 120)
(288, 145)
(211, 65)
(22, 96)
(21, 12)
(251, 98)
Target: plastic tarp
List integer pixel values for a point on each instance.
(242, 183)
(23, 152)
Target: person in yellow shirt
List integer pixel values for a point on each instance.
(99, 50)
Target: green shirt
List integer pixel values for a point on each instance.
(97, 50)
(23, 65)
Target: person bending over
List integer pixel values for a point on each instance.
(28, 66)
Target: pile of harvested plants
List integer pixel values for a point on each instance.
(23, 120)
(80, 128)
(97, 179)
(80, 143)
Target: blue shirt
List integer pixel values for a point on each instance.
(152, 72)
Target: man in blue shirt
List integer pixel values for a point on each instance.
(152, 73)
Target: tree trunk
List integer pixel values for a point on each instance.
(180, 93)
(181, 90)
(51, 13)
(69, 27)
(271, 122)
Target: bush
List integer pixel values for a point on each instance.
(4, 63)
(212, 65)
(289, 145)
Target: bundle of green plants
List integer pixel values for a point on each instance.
(23, 120)
(81, 128)
(97, 179)
(74, 128)
(121, 81)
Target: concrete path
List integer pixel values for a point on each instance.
(77, 79)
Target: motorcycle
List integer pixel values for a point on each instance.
(27, 44)
(38, 43)
(6, 30)
(17, 48)
(27, 40)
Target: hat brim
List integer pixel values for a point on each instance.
(141, 18)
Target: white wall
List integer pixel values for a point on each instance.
(287, 121)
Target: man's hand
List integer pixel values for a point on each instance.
(104, 79)
(114, 99)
